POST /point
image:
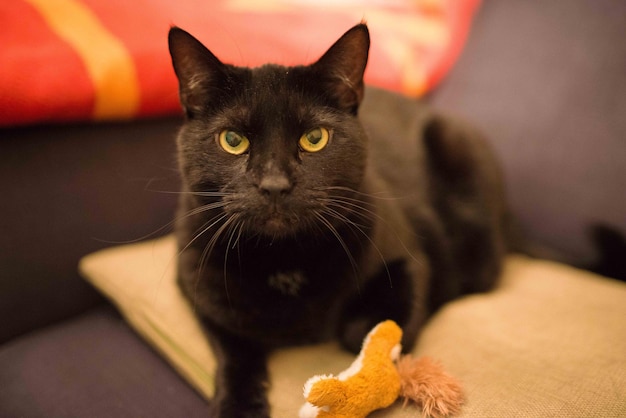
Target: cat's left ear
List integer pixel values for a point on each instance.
(343, 66)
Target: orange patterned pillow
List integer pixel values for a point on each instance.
(65, 60)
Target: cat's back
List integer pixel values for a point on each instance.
(446, 182)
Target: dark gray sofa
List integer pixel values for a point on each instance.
(545, 80)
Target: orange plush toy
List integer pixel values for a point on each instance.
(373, 381)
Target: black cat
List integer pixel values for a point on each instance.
(300, 222)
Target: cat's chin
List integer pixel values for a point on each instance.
(277, 227)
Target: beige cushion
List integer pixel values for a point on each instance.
(549, 342)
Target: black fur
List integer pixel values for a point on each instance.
(402, 211)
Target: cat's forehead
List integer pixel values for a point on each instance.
(274, 74)
(276, 81)
(274, 89)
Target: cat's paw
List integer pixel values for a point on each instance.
(354, 331)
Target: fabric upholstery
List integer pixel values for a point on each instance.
(546, 82)
(68, 191)
(91, 366)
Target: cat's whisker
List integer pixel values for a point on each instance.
(360, 203)
(208, 249)
(352, 225)
(240, 226)
(376, 195)
(351, 208)
(337, 201)
(196, 211)
(169, 225)
(197, 234)
(343, 244)
(232, 230)
(203, 229)
(203, 208)
(192, 193)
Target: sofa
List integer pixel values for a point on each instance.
(544, 80)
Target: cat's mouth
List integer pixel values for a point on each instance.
(277, 224)
(274, 219)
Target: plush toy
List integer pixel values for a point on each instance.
(370, 383)
(375, 381)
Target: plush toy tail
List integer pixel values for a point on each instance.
(424, 381)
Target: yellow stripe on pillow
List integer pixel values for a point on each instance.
(109, 64)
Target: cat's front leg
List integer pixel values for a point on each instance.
(241, 378)
(397, 292)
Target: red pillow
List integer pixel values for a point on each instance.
(67, 60)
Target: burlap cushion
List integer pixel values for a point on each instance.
(550, 341)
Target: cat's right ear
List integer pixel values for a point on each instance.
(197, 69)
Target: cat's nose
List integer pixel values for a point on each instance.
(275, 185)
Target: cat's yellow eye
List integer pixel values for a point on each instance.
(233, 143)
(314, 140)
